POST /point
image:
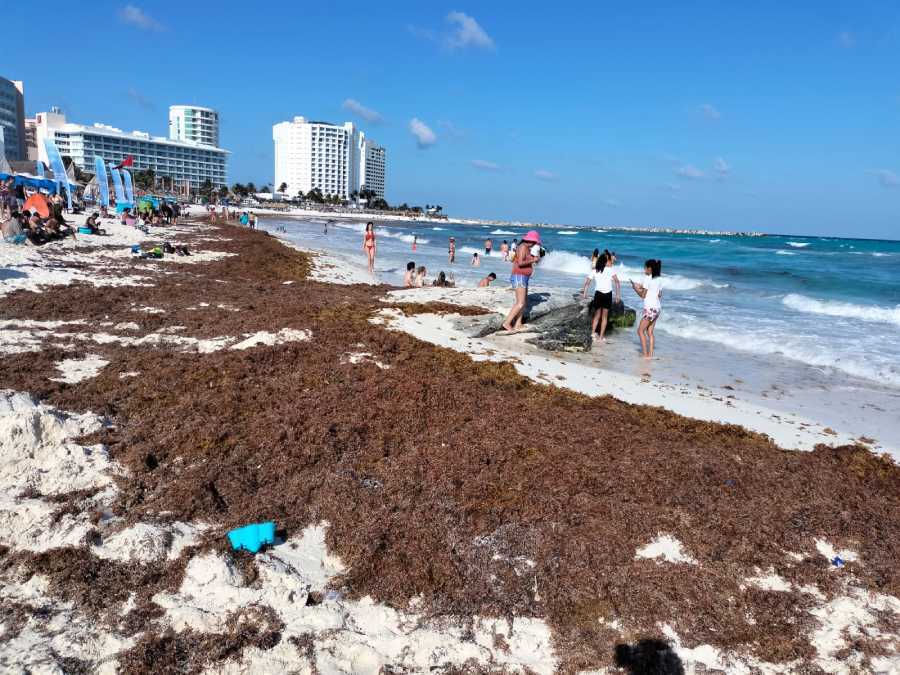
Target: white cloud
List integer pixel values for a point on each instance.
(722, 168)
(467, 33)
(543, 174)
(425, 137)
(689, 171)
(135, 16)
(464, 32)
(887, 178)
(358, 109)
(485, 165)
(710, 112)
(846, 40)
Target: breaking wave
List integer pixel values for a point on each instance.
(796, 348)
(802, 303)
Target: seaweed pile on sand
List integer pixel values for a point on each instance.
(461, 489)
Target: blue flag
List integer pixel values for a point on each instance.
(102, 180)
(129, 187)
(59, 169)
(117, 185)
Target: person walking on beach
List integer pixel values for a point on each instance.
(369, 245)
(523, 267)
(650, 289)
(488, 246)
(451, 251)
(409, 279)
(604, 279)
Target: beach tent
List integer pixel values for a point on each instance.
(31, 181)
(38, 202)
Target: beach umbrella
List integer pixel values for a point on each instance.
(38, 203)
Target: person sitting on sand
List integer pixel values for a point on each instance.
(475, 261)
(650, 289)
(92, 225)
(523, 267)
(603, 279)
(442, 281)
(420, 277)
(409, 279)
(484, 283)
(451, 251)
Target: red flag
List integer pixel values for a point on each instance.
(128, 161)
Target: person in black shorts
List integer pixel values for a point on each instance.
(603, 278)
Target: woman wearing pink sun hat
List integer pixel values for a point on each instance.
(523, 267)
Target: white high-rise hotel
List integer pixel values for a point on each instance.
(195, 124)
(339, 160)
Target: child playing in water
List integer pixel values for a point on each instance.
(650, 289)
(484, 283)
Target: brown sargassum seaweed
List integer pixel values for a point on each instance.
(439, 476)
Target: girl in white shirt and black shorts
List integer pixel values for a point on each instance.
(603, 279)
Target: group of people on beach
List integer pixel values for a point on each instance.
(525, 255)
(28, 225)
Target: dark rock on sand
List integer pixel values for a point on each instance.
(560, 324)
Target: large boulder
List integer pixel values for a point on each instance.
(558, 324)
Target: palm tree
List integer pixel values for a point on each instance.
(300, 194)
(282, 188)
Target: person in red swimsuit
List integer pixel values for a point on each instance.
(369, 246)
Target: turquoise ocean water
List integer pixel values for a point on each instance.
(830, 304)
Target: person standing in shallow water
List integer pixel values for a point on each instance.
(369, 245)
(604, 280)
(451, 251)
(650, 289)
(523, 267)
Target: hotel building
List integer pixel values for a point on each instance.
(338, 160)
(12, 118)
(195, 124)
(188, 163)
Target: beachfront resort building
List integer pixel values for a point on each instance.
(338, 160)
(12, 118)
(195, 124)
(187, 163)
(371, 168)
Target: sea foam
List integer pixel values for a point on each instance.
(798, 348)
(802, 303)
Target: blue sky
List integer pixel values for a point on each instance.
(773, 116)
